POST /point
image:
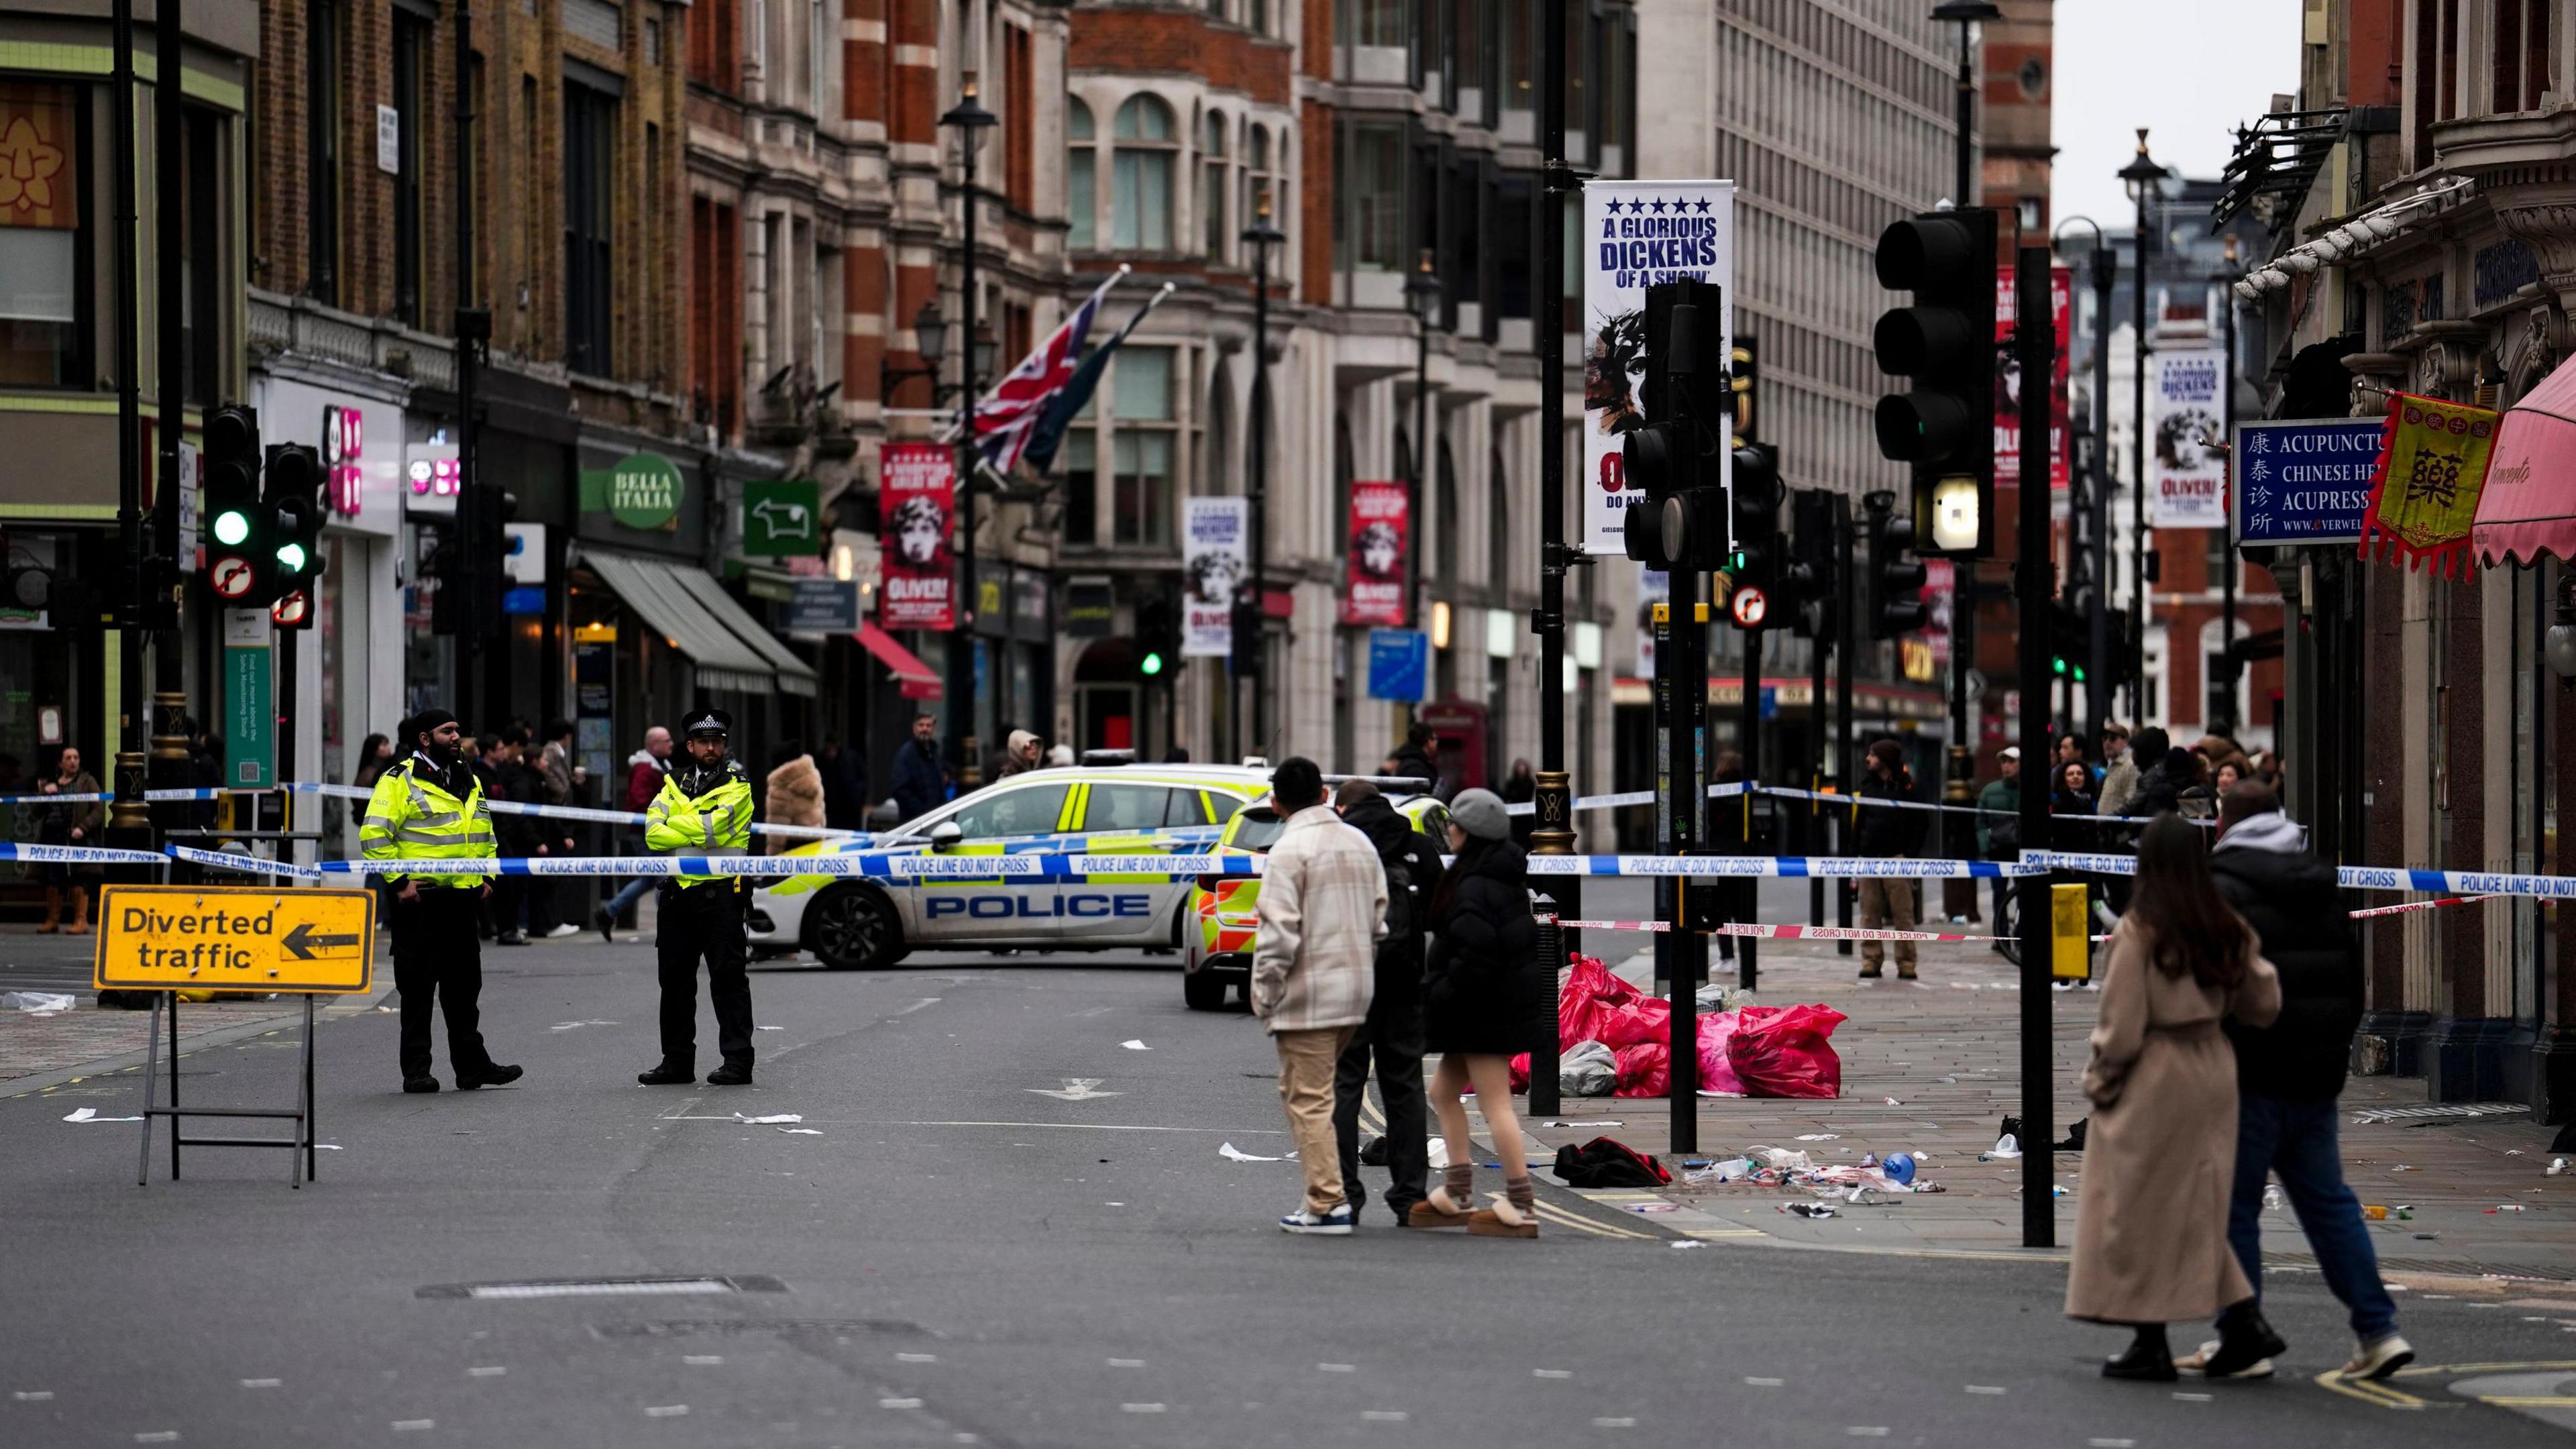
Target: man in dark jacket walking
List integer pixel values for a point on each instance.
(1417, 758)
(2287, 1078)
(1888, 832)
(1393, 1031)
(917, 790)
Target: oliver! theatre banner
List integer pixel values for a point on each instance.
(1635, 234)
(1380, 529)
(916, 495)
(1215, 563)
(2424, 496)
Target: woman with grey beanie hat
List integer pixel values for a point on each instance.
(1486, 998)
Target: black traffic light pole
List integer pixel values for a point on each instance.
(2035, 341)
(159, 568)
(1847, 740)
(2097, 624)
(128, 827)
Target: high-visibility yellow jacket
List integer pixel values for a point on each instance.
(413, 817)
(716, 821)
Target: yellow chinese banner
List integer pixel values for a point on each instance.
(39, 156)
(2424, 496)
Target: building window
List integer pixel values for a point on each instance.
(1517, 57)
(322, 150)
(1082, 486)
(1259, 183)
(203, 293)
(1256, 14)
(2521, 64)
(1080, 188)
(1386, 23)
(45, 285)
(1020, 121)
(1142, 182)
(590, 181)
(1142, 446)
(412, 52)
(1375, 219)
(1212, 186)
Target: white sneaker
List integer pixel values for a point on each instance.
(2379, 1358)
(1334, 1224)
(566, 929)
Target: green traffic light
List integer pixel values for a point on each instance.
(2058, 666)
(1152, 666)
(291, 556)
(2079, 674)
(232, 526)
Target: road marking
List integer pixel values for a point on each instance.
(1337, 1368)
(164, 1436)
(1385, 1416)
(1126, 1363)
(2195, 1398)
(916, 1358)
(1563, 1217)
(898, 1403)
(487, 1371)
(32, 1396)
(1867, 1431)
(1076, 1089)
(916, 1006)
(665, 1411)
(1552, 1373)
(2112, 1443)
(2377, 1395)
(703, 1360)
(1984, 1389)
(1614, 1423)
(1764, 1383)
(261, 1383)
(1141, 1408)
(402, 1426)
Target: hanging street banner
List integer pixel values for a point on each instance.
(2008, 379)
(2190, 475)
(1214, 564)
(916, 495)
(1381, 536)
(2424, 493)
(1636, 233)
(2304, 481)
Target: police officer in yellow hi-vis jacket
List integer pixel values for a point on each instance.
(430, 807)
(704, 809)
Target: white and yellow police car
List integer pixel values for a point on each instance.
(1224, 911)
(1100, 807)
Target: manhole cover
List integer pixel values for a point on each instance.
(601, 1287)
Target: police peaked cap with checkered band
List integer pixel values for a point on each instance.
(709, 722)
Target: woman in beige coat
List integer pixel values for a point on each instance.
(794, 796)
(2160, 1153)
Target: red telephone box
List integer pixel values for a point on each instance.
(1461, 731)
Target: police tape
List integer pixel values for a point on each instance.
(1624, 798)
(233, 860)
(2351, 877)
(1779, 933)
(202, 792)
(2401, 909)
(1830, 797)
(572, 812)
(75, 855)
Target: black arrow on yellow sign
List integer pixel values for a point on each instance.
(302, 943)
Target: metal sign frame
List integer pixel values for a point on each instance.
(298, 1146)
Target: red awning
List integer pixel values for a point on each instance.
(918, 680)
(2529, 506)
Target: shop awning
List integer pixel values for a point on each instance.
(2529, 506)
(652, 588)
(795, 676)
(917, 678)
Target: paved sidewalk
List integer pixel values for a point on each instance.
(1946, 1050)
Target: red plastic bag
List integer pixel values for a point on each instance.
(1716, 1071)
(1590, 1003)
(1785, 1052)
(1645, 1070)
(1520, 1072)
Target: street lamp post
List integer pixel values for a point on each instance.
(1263, 236)
(1422, 292)
(969, 119)
(1967, 14)
(2223, 713)
(2141, 177)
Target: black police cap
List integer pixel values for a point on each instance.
(709, 722)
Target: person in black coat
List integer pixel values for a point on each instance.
(2288, 1075)
(514, 835)
(919, 785)
(1488, 997)
(1415, 758)
(1393, 1031)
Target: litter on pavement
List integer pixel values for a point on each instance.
(801, 1131)
(773, 1117)
(1136, 1045)
(37, 1003)
(90, 1114)
(1232, 1153)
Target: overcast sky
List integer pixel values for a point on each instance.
(2189, 70)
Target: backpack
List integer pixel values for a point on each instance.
(1608, 1162)
(1408, 894)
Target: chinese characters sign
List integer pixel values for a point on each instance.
(2304, 482)
(2424, 496)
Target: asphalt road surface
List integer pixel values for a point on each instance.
(997, 1225)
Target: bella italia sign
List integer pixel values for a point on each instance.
(642, 492)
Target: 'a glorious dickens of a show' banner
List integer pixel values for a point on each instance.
(1635, 234)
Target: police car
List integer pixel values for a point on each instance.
(1101, 807)
(1223, 908)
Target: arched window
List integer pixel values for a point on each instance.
(1080, 179)
(1257, 180)
(1212, 186)
(1142, 182)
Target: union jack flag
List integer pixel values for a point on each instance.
(1008, 415)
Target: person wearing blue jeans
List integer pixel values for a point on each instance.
(2288, 1076)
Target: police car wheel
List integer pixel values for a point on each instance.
(1203, 990)
(852, 928)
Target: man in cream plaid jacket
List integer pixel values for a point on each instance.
(1314, 967)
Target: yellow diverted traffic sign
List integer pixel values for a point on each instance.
(234, 938)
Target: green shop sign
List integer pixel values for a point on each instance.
(642, 492)
(781, 518)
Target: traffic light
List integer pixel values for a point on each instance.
(1675, 457)
(1807, 583)
(292, 506)
(1755, 561)
(1158, 636)
(1246, 643)
(1945, 342)
(1894, 581)
(2070, 639)
(231, 524)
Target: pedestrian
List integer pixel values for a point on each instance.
(2160, 1147)
(2157, 789)
(704, 809)
(74, 823)
(497, 768)
(1392, 1034)
(2119, 768)
(566, 781)
(1888, 831)
(644, 771)
(1999, 822)
(1417, 758)
(919, 782)
(1487, 999)
(1021, 753)
(1323, 908)
(2288, 1076)
(791, 794)
(845, 784)
(373, 756)
(2073, 795)
(1520, 787)
(2231, 772)
(429, 806)
(2070, 750)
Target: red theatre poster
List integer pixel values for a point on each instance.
(916, 495)
(1381, 535)
(2061, 300)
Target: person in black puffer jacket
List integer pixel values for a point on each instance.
(2288, 1075)
(1487, 998)
(1392, 1035)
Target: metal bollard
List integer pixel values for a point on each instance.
(1543, 1085)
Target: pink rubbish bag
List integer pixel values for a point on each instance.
(1787, 1052)
(1645, 1070)
(1716, 1072)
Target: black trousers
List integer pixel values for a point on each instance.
(1393, 1036)
(509, 895)
(438, 958)
(704, 920)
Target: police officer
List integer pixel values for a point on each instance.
(704, 808)
(430, 807)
